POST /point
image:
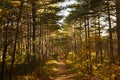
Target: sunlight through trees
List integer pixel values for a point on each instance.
(36, 45)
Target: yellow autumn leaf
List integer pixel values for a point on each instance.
(54, 69)
(52, 62)
(69, 61)
(106, 78)
(15, 3)
(87, 60)
(99, 64)
(93, 54)
(94, 67)
(1, 10)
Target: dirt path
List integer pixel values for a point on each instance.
(60, 72)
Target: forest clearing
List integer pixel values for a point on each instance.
(59, 39)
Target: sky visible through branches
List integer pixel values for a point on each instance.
(65, 11)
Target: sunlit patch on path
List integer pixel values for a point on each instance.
(60, 72)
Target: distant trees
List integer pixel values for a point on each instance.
(97, 19)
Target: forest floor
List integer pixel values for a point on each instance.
(61, 72)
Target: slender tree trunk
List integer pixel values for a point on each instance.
(100, 44)
(118, 23)
(89, 48)
(110, 34)
(28, 39)
(34, 28)
(15, 42)
(4, 52)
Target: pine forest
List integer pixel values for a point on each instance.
(59, 39)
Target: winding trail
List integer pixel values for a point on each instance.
(61, 72)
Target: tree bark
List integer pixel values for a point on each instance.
(110, 33)
(15, 42)
(33, 28)
(4, 52)
(118, 23)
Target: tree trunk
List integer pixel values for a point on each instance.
(118, 23)
(110, 33)
(100, 44)
(15, 42)
(34, 29)
(4, 53)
